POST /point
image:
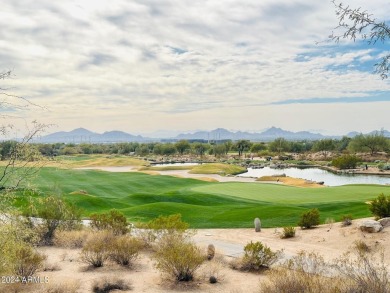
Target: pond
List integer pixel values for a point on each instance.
(318, 175)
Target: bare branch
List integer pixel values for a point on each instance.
(359, 24)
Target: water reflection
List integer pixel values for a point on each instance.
(316, 174)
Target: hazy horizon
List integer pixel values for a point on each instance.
(146, 66)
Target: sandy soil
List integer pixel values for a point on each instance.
(329, 240)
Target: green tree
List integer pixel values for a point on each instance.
(279, 145)
(182, 146)
(324, 146)
(242, 146)
(355, 24)
(200, 148)
(258, 147)
(369, 142)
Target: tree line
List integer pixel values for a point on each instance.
(367, 143)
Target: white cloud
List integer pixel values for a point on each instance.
(134, 65)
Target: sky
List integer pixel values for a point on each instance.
(167, 66)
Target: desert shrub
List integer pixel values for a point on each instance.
(258, 256)
(124, 249)
(309, 219)
(210, 251)
(163, 225)
(213, 280)
(27, 261)
(346, 162)
(365, 272)
(107, 284)
(97, 248)
(70, 239)
(346, 220)
(380, 206)
(113, 220)
(178, 258)
(14, 233)
(288, 232)
(55, 213)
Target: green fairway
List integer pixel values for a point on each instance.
(142, 197)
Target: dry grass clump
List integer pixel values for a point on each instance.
(70, 286)
(211, 271)
(108, 284)
(96, 249)
(356, 271)
(305, 272)
(365, 271)
(70, 239)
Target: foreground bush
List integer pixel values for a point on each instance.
(359, 272)
(258, 256)
(97, 248)
(14, 234)
(178, 258)
(365, 272)
(113, 220)
(27, 261)
(124, 249)
(309, 219)
(305, 272)
(380, 206)
(56, 214)
(106, 284)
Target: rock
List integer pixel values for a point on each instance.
(370, 226)
(385, 222)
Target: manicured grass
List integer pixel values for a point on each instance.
(99, 160)
(142, 197)
(217, 168)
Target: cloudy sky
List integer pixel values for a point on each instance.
(179, 65)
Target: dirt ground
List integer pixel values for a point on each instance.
(331, 241)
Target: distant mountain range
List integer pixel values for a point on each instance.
(82, 135)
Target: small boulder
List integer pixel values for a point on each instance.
(385, 222)
(370, 226)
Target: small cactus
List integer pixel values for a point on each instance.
(257, 225)
(210, 252)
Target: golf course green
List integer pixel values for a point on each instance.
(142, 197)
